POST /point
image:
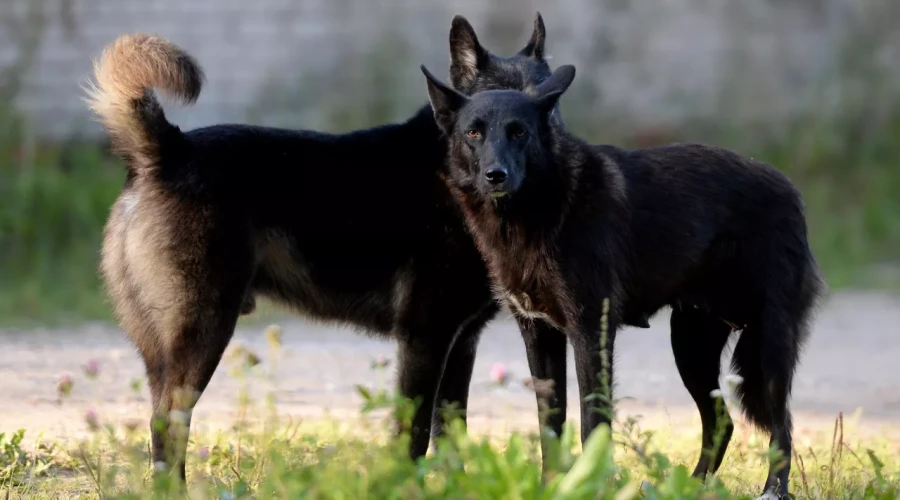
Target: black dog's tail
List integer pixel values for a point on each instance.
(767, 354)
(124, 101)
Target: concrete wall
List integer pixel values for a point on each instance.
(294, 62)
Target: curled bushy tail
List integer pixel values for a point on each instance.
(123, 99)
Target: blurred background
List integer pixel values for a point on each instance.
(812, 86)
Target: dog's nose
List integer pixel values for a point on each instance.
(496, 175)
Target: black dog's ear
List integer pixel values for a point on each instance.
(445, 102)
(467, 56)
(555, 86)
(547, 101)
(535, 46)
(559, 81)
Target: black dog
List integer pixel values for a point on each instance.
(355, 228)
(563, 225)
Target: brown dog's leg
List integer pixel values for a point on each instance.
(193, 332)
(193, 357)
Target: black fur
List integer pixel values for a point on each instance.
(563, 225)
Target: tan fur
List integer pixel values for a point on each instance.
(138, 269)
(403, 286)
(276, 255)
(468, 64)
(122, 96)
(149, 266)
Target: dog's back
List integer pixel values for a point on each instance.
(704, 218)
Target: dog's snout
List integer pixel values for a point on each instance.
(496, 175)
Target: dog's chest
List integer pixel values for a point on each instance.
(530, 303)
(527, 279)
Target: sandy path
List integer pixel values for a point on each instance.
(852, 361)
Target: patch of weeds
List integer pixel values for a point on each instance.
(19, 466)
(276, 457)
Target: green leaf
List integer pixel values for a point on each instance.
(366, 395)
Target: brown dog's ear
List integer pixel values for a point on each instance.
(445, 101)
(535, 46)
(467, 56)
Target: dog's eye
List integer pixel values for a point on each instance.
(474, 134)
(519, 132)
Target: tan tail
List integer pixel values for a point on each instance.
(123, 99)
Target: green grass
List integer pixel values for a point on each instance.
(325, 461)
(264, 456)
(51, 222)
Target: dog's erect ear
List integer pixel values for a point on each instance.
(559, 81)
(535, 46)
(467, 56)
(445, 102)
(547, 101)
(555, 86)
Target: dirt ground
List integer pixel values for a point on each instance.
(852, 361)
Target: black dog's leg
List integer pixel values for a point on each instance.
(779, 470)
(779, 353)
(545, 347)
(766, 358)
(594, 370)
(454, 387)
(697, 343)
(421, 360)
